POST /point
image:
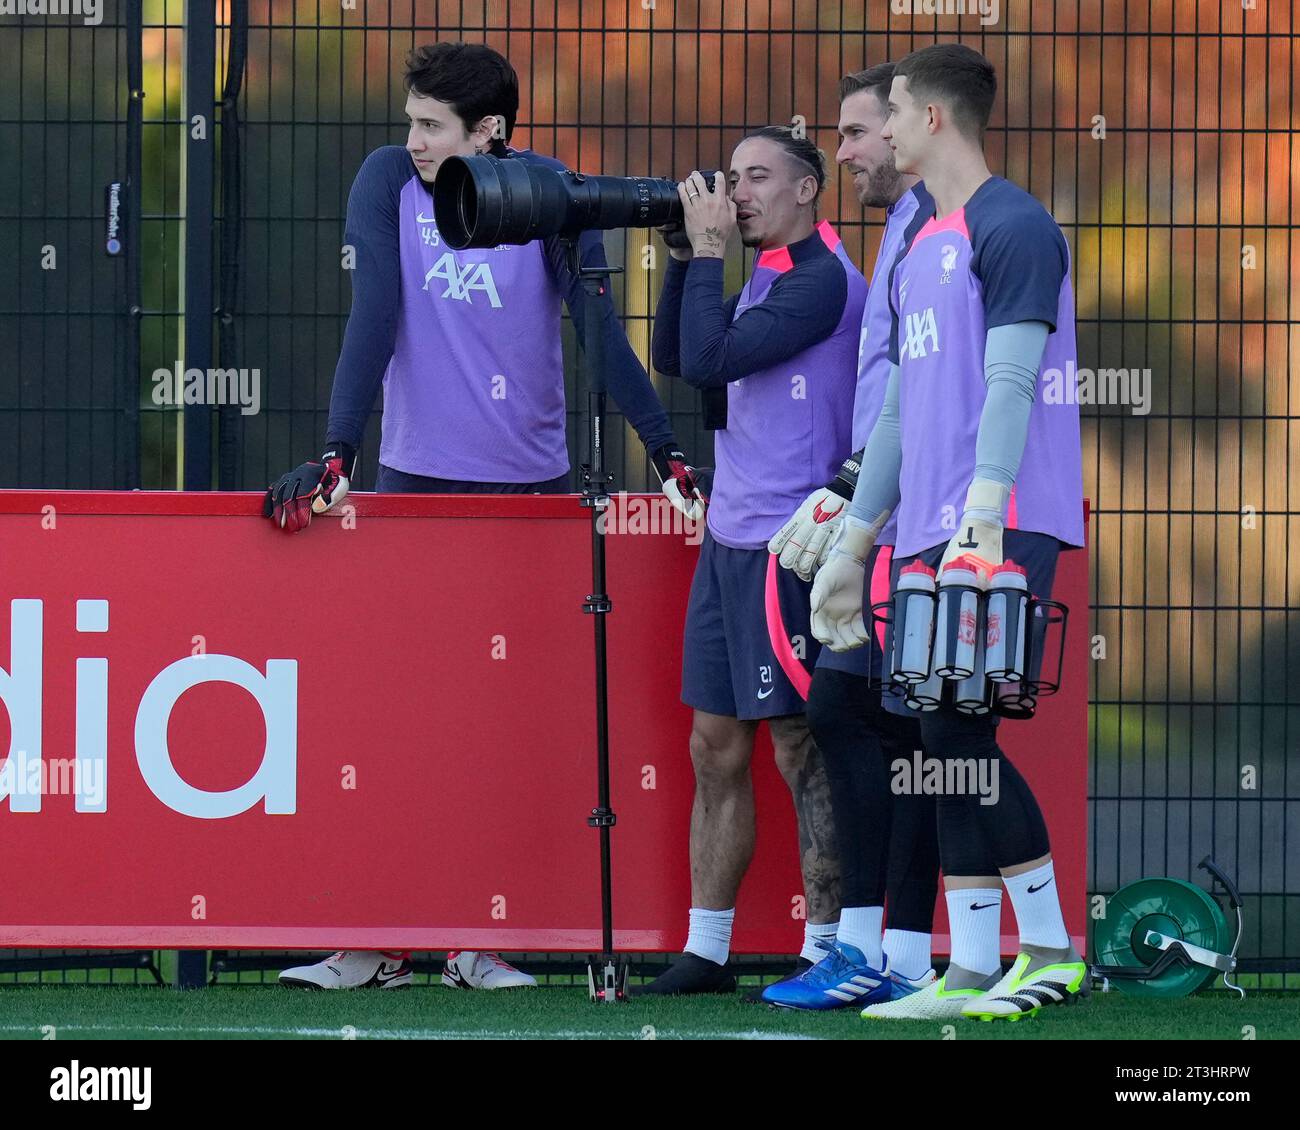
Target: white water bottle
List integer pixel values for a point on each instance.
(974, 695)
(1013, 700)
(959, 619)
(913, 627)
(925, 696)
(1006, 624)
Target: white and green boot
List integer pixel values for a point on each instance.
(934, 1002)
(1033, 981)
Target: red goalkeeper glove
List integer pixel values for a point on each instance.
(310, 489)
(681, 484)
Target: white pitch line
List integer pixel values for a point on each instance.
(403, 1033)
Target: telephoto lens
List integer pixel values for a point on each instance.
(485, 201)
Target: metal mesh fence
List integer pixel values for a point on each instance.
(83, 967)
(67, 336)
(1159, 134)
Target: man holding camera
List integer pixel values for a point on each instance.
(783, 352)
(467, 347)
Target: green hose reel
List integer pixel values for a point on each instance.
(1167, 937)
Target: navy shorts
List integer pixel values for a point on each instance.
(1035, 553)
(867, 661)
(729, 666)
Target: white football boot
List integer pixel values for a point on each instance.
(469, 969)
(1033, 982)
(932, 1001)
(352, 969)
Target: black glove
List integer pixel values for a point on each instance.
(310, 489)
(846, 478)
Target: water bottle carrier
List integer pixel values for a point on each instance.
(940, 660)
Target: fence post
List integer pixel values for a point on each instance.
(191, 969)
(230, 422)
(133, 236)
(200, 136)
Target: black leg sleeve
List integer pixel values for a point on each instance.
(913, 880)
(978, 838)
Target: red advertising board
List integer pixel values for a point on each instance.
(379, 732)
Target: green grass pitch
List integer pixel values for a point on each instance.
(270, 1012)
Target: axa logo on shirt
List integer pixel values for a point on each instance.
(921, 330)
(462, 280)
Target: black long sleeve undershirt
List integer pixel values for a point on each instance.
(699, 338)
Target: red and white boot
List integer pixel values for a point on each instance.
(468, 969)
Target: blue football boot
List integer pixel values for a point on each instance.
(840, 979)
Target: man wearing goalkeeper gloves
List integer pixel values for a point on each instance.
(467, 347)
(886, 843)
(783, 350)
(981, 303)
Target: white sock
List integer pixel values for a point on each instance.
(975, 932)
(812, 934)
(710, 936)
(860, 927)
(1038, 912)
(908, 952)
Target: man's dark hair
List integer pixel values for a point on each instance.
(956, 75)
(475, 80)
(877, 79)
(801, 149)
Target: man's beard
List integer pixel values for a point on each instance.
(881, 189)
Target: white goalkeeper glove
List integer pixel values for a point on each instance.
(804, 542)
(837, 593)
(980, 531)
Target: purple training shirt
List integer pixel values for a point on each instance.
(873, 346)
(788, 425)
(999, 260)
